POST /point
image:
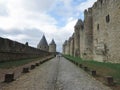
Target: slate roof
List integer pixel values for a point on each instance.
(79, 22)
(43, 42)
(52, 42)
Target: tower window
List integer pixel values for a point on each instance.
(98, 27)
(108, 18)
(82, 27)
(101, 1)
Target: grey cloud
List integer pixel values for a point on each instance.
(3, 10)
(38, 5)
(33, 34)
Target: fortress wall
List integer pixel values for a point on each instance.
(77, 41)
(12, 50)
(106, 30)
(82, 43)
(100, 39)
(65, 47)
(88, 29)
(99, 29)
(72, 46)
(114, 32)
(68, 47)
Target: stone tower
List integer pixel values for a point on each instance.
(77, 28)
(72, 45)
(52, 46)
(88, 27)
(43, 45)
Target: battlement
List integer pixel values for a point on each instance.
(88, 12)
(102, 3)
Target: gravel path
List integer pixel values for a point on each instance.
(56, 74)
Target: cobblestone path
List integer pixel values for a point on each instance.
(56, 74)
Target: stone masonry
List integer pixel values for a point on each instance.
(12, 50)
(98, 36)
(52, 46)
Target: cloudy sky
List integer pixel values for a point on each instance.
(27, 20)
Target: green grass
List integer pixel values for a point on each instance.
(16, 63)
(104, 69)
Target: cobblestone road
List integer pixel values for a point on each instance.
(56, 74)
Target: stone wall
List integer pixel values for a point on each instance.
(106, 30)
(72, 45)
(82, 43)
(76, 41)
(88, 29)
(100, 38)
(12, 50)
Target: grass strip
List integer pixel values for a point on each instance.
(103, 69)
(16, 63)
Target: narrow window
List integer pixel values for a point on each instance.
(108, 18)
(101, 1)
(82, 27)
(98, 27)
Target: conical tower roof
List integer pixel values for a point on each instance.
(43, 42)
(52, 42)
(79, 23)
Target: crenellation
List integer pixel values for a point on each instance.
(89, 11)
(101, 1)
(85, 13)
(95, 5)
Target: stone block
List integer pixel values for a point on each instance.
(86, 68)
(37, 64)
(109, 80)
(25, 70)
(93, 72)
(40, 62)
(9, 77)
(76, 63)
(80, 65)
(32, 67)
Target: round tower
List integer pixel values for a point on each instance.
(52, 46)
(43, 45)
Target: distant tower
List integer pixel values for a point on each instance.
(43, 45)
(52, 46)
(77, 28)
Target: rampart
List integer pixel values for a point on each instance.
(100, 37)
(12, 50)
